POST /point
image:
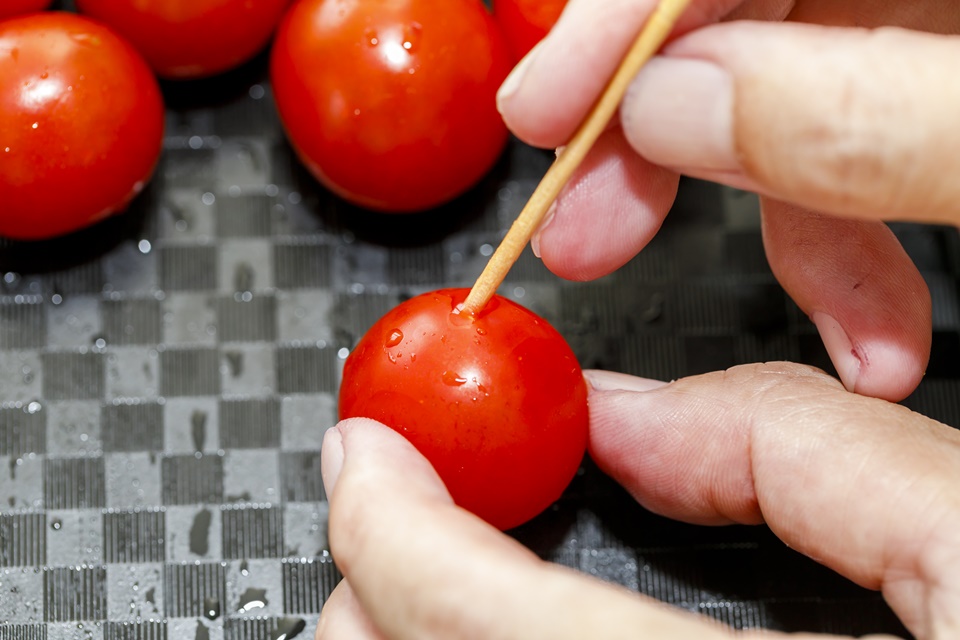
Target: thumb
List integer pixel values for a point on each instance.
(845, 121)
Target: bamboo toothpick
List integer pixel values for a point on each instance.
(654, 33)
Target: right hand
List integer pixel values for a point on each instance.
(837, 128)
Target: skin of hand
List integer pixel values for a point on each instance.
(879, 505)
(837, 128)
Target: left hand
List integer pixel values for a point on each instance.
(878, 503)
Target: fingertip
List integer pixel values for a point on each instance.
(846, 358)
(610, 209)
(331, 458)
(513, 84)
(889, 371)
(884, 370)
(598, 380)
(379, 455)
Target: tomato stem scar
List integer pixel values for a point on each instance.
(653, 34)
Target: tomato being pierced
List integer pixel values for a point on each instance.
(526, 22)
(496, 403)
(10, 8)
(81, 124)
(191, 38)
(392, 104)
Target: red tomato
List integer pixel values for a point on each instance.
(391, 103)
(81, 124)
(497, 404)
(191, 38)
(526, 22)
(10, 8)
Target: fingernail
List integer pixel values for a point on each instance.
(612, 381)
(331, 458)
(547, 219)
(679, 113)
(843, 354)
(512, 84)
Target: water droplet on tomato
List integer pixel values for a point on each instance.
(371, 37)
(411, 36)
(44, 75)
(481, 331)
(453, 379)
(395, 337)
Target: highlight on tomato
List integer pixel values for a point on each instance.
(392, 105)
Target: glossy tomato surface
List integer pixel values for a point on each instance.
(391, 103)
(10, 8)
(81, 124)
(497, 404)
(191, 38)
(526, 22)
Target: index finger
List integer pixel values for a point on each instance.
(571, 66)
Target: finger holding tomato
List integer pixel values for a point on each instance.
(183, 39)
(392, 105)
(81, 124)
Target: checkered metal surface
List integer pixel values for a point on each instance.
(166, 378)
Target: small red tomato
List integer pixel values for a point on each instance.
(496, 403)
(526, 22)
(81, 124)
(10, 8)
(191, 38)
(392, 104)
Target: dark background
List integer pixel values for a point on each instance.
(166, 377)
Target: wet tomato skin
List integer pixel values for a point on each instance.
(10, 8)
(392, 105)
(497, 404)
(81, 124)
(185, 39)
(526, 22)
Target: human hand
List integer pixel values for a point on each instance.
(821, 121)
(878, 505)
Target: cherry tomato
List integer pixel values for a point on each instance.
(191, 38)
(526, 22)
(391, 103)
(10, 8)
(81, 124)
(497, 404)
